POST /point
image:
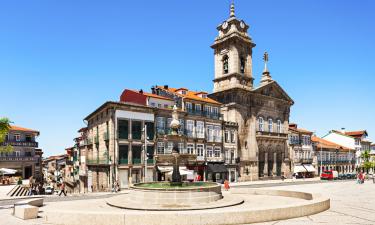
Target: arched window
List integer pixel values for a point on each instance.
(260, 124)
(226, 64)
(242, 64)
(279, 128)
(270, 125)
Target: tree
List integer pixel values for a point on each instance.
(366, 157)
(4, 129)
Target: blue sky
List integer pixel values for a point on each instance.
(60, 60)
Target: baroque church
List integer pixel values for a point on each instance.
(262, 112)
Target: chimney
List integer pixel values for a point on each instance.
(343, 130)
(165, 86)
(141, 91)
(153, 90)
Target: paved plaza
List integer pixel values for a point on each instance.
(350, 204)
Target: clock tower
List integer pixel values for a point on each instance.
(233, 55)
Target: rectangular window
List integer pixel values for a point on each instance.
(181, 148)
(182, 127)
(233, 136)
(190, 128)
(200, 150)
(123, 154)
(160, 148)
(227, 156)
(150, 152)
(165, 106)
(200, 129)
(215, 111)
(209, 151)
(198, 108)
(137, 153)
(17, 137)
(190, 148)
(28, 138)
(207, 110)
(150, 130)
(226, 136)
(123, 129)
(210, 133)
(136, 130)
(159, 105)
(160, 125)
(152, 104)
(189, 106)
(217, 152)
(169, 148)
(218, 134)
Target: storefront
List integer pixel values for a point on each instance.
(217, 172)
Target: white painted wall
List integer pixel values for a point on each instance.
(158, 101)
(134, 115)
(345, 141)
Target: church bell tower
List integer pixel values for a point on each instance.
(233, 55)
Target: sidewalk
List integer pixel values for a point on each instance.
(306, 180)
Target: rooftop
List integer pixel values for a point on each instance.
(321, 143)
(192, 95)
(17, 128)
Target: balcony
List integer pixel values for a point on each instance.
(18, 159)
(98, 161)
(137, 161)
(211, 115)
(123, 161)
(266, 134)
(106, 136)
(195, 113)
(21, 143)
(303, 161)
(150, 161)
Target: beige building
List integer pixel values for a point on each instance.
(25, 158)
(262, 112)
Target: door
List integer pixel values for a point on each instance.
(123, 175)
(89, 181)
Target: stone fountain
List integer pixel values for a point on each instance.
(176, 194)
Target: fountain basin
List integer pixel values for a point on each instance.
(166, 193)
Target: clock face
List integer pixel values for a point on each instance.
(225, 25)
(242, 24)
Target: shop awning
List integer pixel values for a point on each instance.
(167, 169)
(183, 171)
(309, 168)
(217, 168)
(299, 169)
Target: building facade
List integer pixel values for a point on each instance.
(332, 156)
(26, 157)
(262, 112)
(301, 151)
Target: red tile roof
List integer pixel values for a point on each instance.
(192, 95)
(358, 133)
(156, 96)
(17, 128)
(321, 143)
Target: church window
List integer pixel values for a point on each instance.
(270, 125)
(242, 64)
(260, 124)
(225, 64)
(279, 128)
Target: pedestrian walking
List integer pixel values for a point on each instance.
(62, 189)
(226, 185)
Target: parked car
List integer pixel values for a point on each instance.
(329, 175)
(49, 190)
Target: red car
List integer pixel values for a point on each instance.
(329, 175)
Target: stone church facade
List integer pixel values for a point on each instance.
(262, 112)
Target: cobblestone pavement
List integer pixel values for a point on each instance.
(351, 203)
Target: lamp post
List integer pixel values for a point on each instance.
(145, 153)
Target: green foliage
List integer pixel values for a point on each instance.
(4, 129)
